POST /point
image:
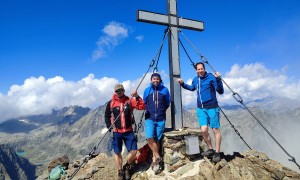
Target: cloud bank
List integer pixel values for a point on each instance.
(39, 95)
(252, 81)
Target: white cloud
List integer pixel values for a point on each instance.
(115, 29)
(255, 81)
(189, 98)
(252, 81)
(40, 95)
(139, 38)
(114, 34)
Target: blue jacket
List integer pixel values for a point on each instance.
(157, 100)
(208, 85)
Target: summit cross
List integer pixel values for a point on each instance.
(174, 22)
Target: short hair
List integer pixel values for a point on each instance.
(198, 64)
(156, 75)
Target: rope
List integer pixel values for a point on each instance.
(166, 32)
(138, 127)
(89, 156)
(157, 56)
(193, 64)
(239, 99)
(236, 131)
(154, 59)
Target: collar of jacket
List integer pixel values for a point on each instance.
(204, 76)
(161, 84)
(122, 99)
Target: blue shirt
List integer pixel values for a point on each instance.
(206, 87)
(157, 100)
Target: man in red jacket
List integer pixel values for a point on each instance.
(118, 116)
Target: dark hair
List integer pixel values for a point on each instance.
(198, 64)
(156, 75)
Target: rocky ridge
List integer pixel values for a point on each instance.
(14, 167)
(250, 165)
(76, 139)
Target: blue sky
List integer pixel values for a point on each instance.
(57, 53)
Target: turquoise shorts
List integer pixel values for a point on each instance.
(154, 129)
(209, 117)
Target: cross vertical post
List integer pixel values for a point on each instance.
(173, 22)
(174, 66)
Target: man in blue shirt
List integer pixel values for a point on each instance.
(157, 100)
(206, 85)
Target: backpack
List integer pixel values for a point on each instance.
(143, 154)
(56, 173)
(112, 102)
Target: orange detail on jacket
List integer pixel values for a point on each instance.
(125, 106)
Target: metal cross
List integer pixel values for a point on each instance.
(174, 22)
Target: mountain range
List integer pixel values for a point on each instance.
(75, 130)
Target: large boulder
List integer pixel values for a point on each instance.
(63, 161)
(250, 165)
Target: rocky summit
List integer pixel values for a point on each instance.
(75, 130)
(181, 161)
(251, 165)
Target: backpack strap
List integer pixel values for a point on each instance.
(112, 117)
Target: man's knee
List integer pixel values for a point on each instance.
(118, 155)
(133, 152)
(151, 140)
(204, 129)
(216, 131)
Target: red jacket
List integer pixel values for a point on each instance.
(125, 105)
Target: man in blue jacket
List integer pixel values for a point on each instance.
(206, 85)
(157, 99)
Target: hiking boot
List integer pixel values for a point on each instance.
(216, 157)
(120, 174)
(158, 166)
(208, 153)
(152, 165)
(127, 171)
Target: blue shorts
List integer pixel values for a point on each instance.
(209, 117)
(128, 138)
(154, 129)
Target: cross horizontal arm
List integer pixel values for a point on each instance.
(156, 18)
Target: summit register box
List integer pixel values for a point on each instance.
(192, 145)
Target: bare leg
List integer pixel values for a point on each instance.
(118, 160)
(131, 156)
(206, 137)
(154, 146)
(218, 138)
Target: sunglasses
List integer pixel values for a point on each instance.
(119, 90)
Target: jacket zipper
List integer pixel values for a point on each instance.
(199, 91)
(155, 102)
